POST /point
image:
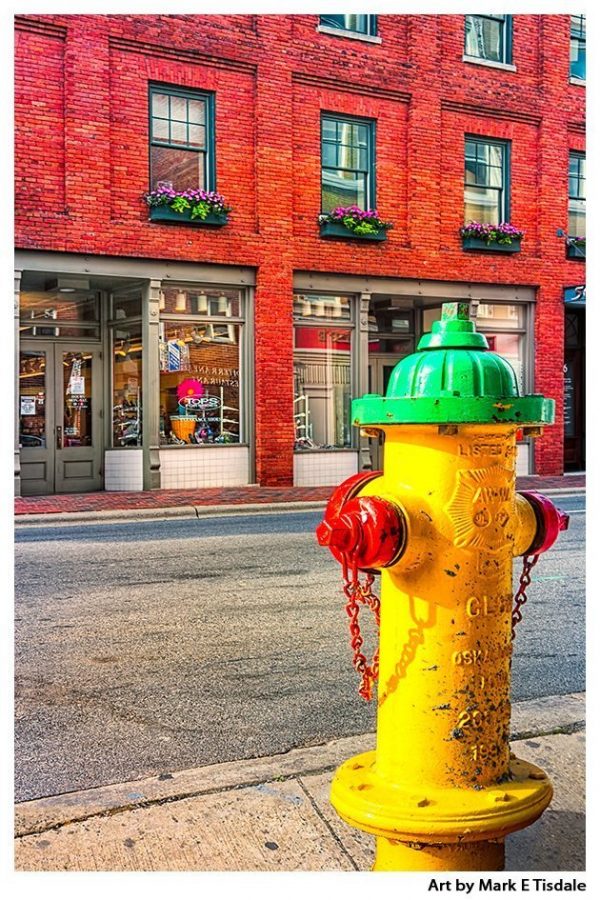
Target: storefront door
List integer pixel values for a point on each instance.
(60, 391)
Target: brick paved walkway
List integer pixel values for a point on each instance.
(107, 500)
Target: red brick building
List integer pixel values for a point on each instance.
(432, 120)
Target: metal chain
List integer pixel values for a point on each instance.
(357, 593)
(521, 595)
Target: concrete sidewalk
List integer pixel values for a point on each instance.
(119, 505)
(273, 814)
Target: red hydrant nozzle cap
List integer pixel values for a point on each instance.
(337, 533)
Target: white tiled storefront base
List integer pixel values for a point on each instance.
(523, 459)
(203, 467)
(123, 470)
(316, 469)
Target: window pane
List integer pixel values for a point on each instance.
(509, 346)
(482, 205)
(196, 302)
(179, 109)
(197, 136)
(484, 37)
(196, 112)
(126, 304)
(308, 306)
(178, 133)
(343, 189)
(205, 356)
(127, 385)
(160, 130)
(322, 387)
(330, 157)
(32, 398)
(77, 399)
(577, 218)
(329, 131)
(500, 315)
(184, 168)
(52, 305)
(160, 105)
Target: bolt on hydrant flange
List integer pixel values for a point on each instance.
(442, 524)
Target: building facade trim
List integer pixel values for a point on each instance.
(179, 53)
(366, 90)
(512, 115)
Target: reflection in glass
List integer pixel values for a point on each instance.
(127, 385)
(32, 398)
(200, 379)
(322, 387)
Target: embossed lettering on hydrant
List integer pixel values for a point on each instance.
(481, 507)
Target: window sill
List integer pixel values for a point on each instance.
(507, 67)
(169, 216)
(580, 82)
(353, 35)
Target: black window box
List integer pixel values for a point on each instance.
(338, 230)
(166, 214)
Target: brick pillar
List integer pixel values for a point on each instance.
(274, 381)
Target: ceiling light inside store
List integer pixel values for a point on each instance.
(180, 302)
(319, 308)
(337, 308)
(67, 285)
(202, 304)
(162, 300)
(223, 304)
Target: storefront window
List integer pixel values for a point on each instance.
(322, 373)
(127, 385)
(200, 366)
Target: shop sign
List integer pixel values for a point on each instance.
(575, 296)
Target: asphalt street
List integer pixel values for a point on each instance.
(147, 647)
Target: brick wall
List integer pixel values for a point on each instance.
(82, 160)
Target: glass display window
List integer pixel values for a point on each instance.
(126, 342)
(322, 387)
(200, 350)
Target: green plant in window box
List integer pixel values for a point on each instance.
(504, 237)
(353, 222)
(197, 207)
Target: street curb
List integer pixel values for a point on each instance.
(196, 512)
(167, 512)
(530, 718)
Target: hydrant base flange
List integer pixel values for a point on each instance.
(438, 815)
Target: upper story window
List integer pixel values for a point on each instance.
(347, 163)
(486, 181)
(181, 139)
(489, 38)
(350, 22)
(576, 194)
(578, 47)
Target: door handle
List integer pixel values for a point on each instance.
(59, 442)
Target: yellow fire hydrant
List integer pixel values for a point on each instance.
(442, 525)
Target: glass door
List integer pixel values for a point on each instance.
(60, 418)
(36, 419)
(78, 460)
